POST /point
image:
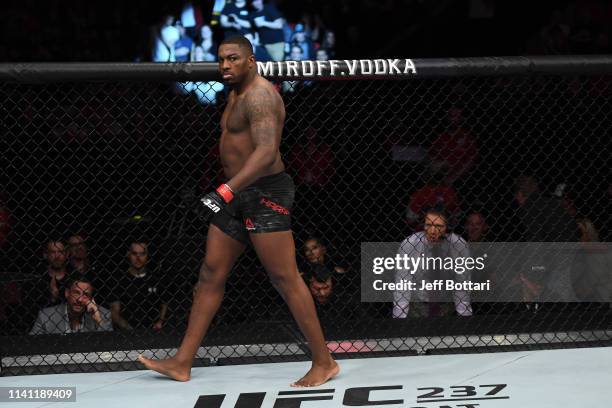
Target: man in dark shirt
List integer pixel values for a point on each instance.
(48, 289)
(138, 296)
(235, 19)
(269, 24)
(544, 219)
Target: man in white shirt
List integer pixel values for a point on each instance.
(433, 242)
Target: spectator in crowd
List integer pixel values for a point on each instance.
(322, 54)
(80, 313)
(435, 193)
(48, 289)
(269, 24)
(319, 266)
(300, 39)
(476, 227)
(544, 219)
(79, 255)
(235, 19)
(81, 265)
(329, 43)
(315, 253)
(455, 146)
(328, 281)
(261, 53)
(320, 284)
(312, 161)
(296, 54)
(165, 38)
(138, 298)
(182, 46)
(434, 242)
(206, 42)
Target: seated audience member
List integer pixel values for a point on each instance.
(261, 53)
(137, 298)
(296, 54)
(207, 44)
(476, 227)
(78, 253)
(269, 24)
(329, 283)
(329, 43)
(48, 289)
(543, 218)
(80, 313)
(80, 263)
(326, 278)
(435, 242)
(182, 46)
(300, 39)
(320, 284)
(315, 253)
(322, 54)
(165, 38)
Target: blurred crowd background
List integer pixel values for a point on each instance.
(90, 205)
(114, 30)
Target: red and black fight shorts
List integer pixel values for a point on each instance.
(264, 206)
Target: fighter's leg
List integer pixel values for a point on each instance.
(276, 251)
(222, 251)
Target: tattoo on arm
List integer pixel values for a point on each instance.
(262, 113)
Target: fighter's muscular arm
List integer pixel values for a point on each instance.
(264, 113)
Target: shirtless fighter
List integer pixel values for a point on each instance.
(253, 206)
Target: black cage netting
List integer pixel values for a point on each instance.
(95, 175)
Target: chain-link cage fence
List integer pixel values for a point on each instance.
(101, 252)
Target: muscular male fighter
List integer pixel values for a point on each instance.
(253, 206)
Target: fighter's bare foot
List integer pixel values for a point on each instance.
(318, 375)
(169, 367)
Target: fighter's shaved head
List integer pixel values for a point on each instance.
(241, 41)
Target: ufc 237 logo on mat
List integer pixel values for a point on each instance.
(460, 396)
